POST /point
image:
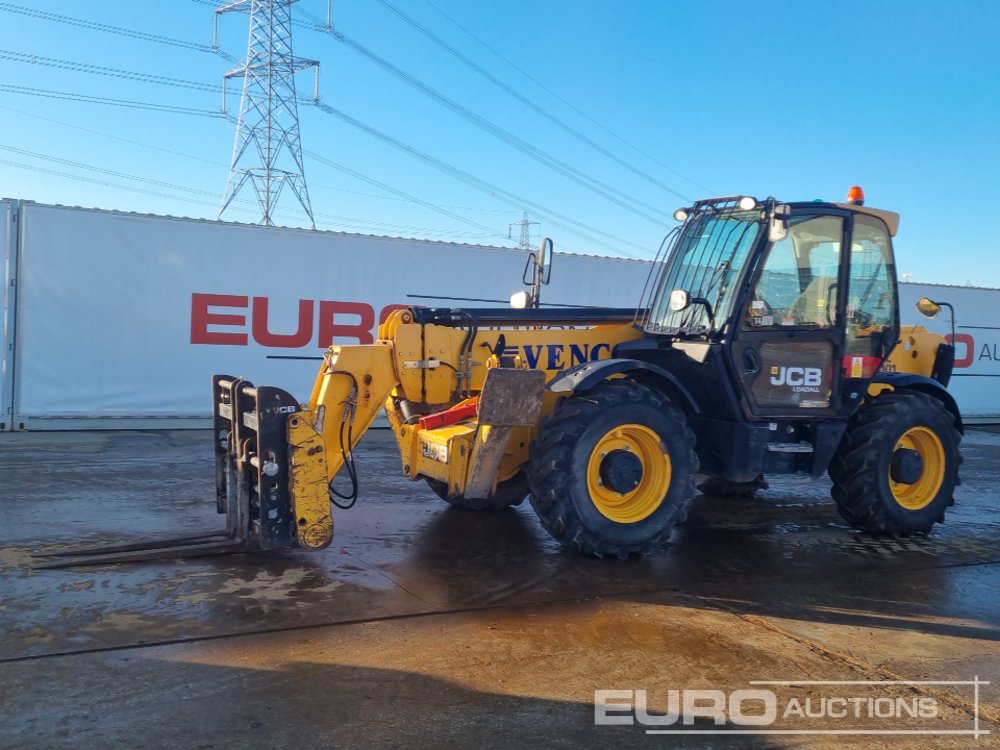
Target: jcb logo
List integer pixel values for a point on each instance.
(796, 376)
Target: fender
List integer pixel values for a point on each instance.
(585, 376)
(923, 384)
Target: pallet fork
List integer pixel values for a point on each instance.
(251, 480)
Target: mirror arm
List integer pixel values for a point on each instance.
(540, 265)
(708, 308)
(951, 311)
(778, 215)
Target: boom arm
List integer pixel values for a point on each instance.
(276, 459)
(351, 388)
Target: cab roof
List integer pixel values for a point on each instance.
(891, 218)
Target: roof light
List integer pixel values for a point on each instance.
(748, 203)
(520, 300)
(856, 196)
(681, 214)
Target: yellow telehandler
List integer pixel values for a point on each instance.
(767, 340)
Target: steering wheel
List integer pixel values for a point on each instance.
(862, 318)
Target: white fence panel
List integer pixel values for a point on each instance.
(976, 380)
(7, 266)
(128, 316)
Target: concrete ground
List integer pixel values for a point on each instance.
(426, 626)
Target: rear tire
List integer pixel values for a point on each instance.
(507, 495)
(612, 471)
(896, 468)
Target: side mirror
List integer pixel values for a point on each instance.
(778, 228)
(680, 299)
(545, 258)
(538, 271)
(928, 307)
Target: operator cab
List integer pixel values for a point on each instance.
(783, 314)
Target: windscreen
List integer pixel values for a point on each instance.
(707, 259)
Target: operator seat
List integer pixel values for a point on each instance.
(811, 306)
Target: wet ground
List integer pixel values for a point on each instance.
(426, 626)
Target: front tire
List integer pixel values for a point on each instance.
(612, 471)
(896, 468)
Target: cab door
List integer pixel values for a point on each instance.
(871, 307)
(788, 339)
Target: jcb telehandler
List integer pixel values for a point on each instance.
(767, 341)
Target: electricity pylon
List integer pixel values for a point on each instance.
(525, 225)
(268, 150)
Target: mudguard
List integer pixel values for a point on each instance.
(587, 375)
(923, 384)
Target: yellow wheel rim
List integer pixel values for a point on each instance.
(619, 503)
(922, 492)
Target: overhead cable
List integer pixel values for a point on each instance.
(71, 96)
(109, 29)
(554, 94)
(338, 220)
(410, 21)
(80, 67)
(388, 188)
(604, 190)
(512, 199)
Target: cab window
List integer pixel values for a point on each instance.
(797, 285)
(871, 293)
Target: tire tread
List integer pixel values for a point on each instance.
(550, 478)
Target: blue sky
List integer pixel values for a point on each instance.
(796, 100)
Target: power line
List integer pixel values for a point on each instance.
(80, 67)
(707, 191)
(609, 193)
(398, 195)
(105, 183)
(118, 138)
(512, 199)
(383, 186)
(111, 173)
(494, 191)
(163, 80)
(110, 101)
(54, 62)
(342, 220)
(103, 170)
(528, 102)
(109, 29)
(195, 191)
